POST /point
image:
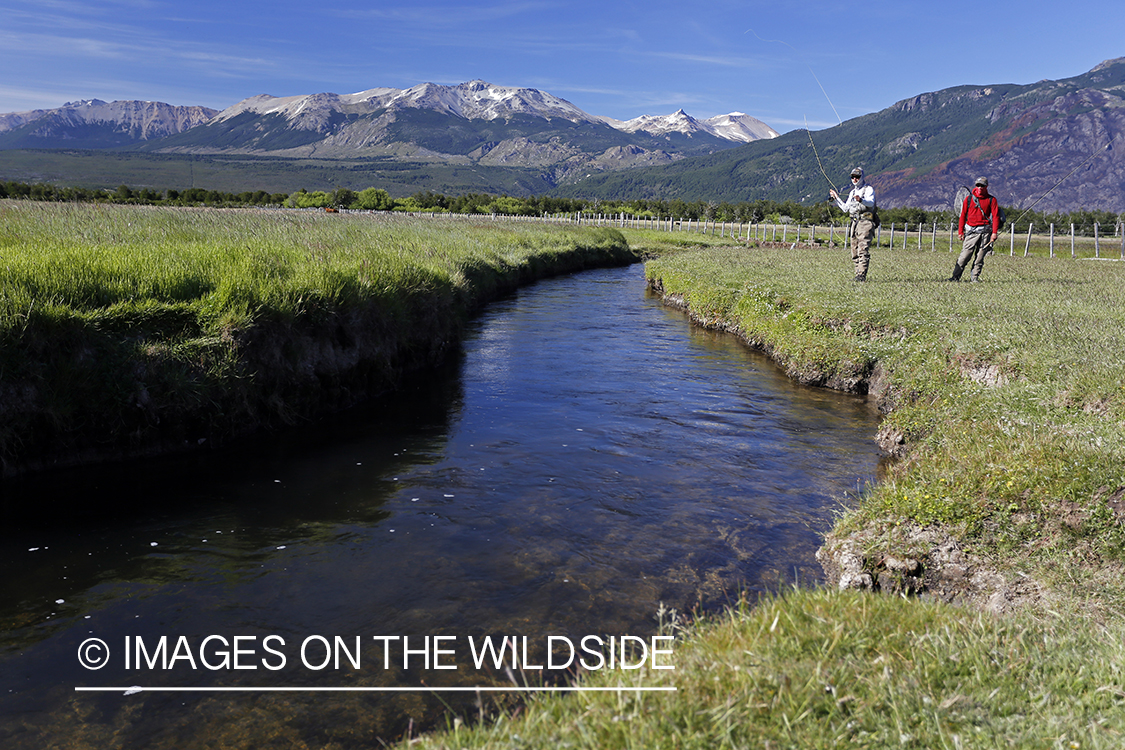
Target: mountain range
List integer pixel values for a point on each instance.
(472, 123)
(1054, 145)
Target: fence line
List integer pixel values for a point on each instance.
(830, 235)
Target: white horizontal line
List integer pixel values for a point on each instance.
(139, 689)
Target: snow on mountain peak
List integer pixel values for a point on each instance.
(481, 100)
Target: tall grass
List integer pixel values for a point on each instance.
(121, 325)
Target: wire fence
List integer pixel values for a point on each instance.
(1076, 241)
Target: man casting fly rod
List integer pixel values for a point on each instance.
(860, 206)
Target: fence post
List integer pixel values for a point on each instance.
(1097, 250)
(933, 238)
(905, 233)
(1052, 239)
(891, 245)
(951, 236)
(1027, 245)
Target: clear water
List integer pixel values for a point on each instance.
(589, 457)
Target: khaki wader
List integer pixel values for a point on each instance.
(861, 231)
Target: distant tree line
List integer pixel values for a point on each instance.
(377, 199)
(146, 196)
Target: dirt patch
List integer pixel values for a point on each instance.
(925, 561)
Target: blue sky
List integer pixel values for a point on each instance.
(783, 63)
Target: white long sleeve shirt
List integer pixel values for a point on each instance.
(861, 198)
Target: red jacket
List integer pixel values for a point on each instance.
(989, 211)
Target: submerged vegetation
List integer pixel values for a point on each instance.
(126, 329)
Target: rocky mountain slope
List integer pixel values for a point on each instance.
(1057, 145)
(92, 123)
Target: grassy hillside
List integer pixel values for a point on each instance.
(917, 135)
(911, 139)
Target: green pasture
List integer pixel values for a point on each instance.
(822, 670)
(1014, 241)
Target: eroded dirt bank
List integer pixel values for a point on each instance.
(112, 390)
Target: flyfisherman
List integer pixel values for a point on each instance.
(860, 206)
(978, 228)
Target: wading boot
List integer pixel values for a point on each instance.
(957, 271)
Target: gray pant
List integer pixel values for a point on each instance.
(975, 243)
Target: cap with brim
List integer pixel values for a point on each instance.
(982, 181)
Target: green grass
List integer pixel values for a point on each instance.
(1009, 394)
(125, 329)
(821, 669)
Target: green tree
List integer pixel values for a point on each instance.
(373, 199)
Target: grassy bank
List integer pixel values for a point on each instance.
(821, 669)
(126, 330)
(1006, 398)
(1006, 401)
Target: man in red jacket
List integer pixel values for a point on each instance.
(978, 228)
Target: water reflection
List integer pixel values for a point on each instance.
(589, 457)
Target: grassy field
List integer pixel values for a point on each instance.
(131, 329)
(1009, 400)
